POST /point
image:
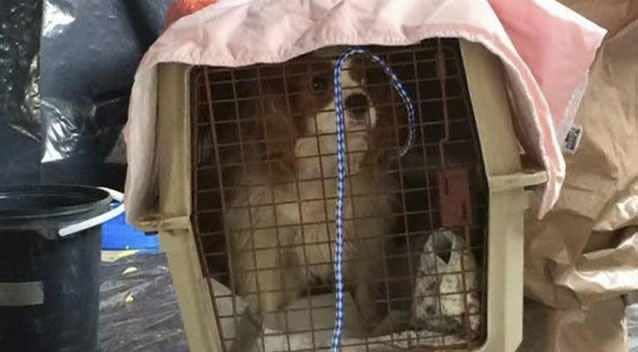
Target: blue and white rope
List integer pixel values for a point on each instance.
(341, 170)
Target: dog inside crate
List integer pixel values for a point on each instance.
(264, 146)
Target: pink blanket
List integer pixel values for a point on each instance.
(546, 49)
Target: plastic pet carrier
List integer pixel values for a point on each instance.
(433, 227)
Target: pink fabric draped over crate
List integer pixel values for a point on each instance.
(546, 50)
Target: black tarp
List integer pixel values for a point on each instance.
(139, 311)
(138, 306)
(66, 69)
(20, 23)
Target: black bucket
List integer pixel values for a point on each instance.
(50, 242)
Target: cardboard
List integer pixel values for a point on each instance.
(582, 259)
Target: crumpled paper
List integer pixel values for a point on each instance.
(580, 261)
(598, 198)
(600, 328)
(445, 293)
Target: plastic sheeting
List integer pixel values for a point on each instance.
(66, 69)
(89, 52)
(139, 312)
(138, 308)
(19, 41)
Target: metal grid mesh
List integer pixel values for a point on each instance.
(263, 203)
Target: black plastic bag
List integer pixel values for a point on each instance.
(70, 97)
(89, 52)
(20, 23)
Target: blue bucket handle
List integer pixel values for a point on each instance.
(98, 220)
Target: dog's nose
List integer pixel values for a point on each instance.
(357, 105)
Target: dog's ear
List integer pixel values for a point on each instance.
(275, 115)
(391, 129)
(384, 135)
(275, 129)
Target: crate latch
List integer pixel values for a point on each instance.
(454, 197)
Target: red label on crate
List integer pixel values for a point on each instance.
(454, 197)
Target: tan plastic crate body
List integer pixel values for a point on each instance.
(507, 203)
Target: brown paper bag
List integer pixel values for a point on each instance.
(581, 259)
(614, 15)
(601, 328)
(601, 172)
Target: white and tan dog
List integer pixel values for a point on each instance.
(281, 216)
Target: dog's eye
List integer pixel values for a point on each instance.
(319, 84)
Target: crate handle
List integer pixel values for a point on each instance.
(523, 179)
